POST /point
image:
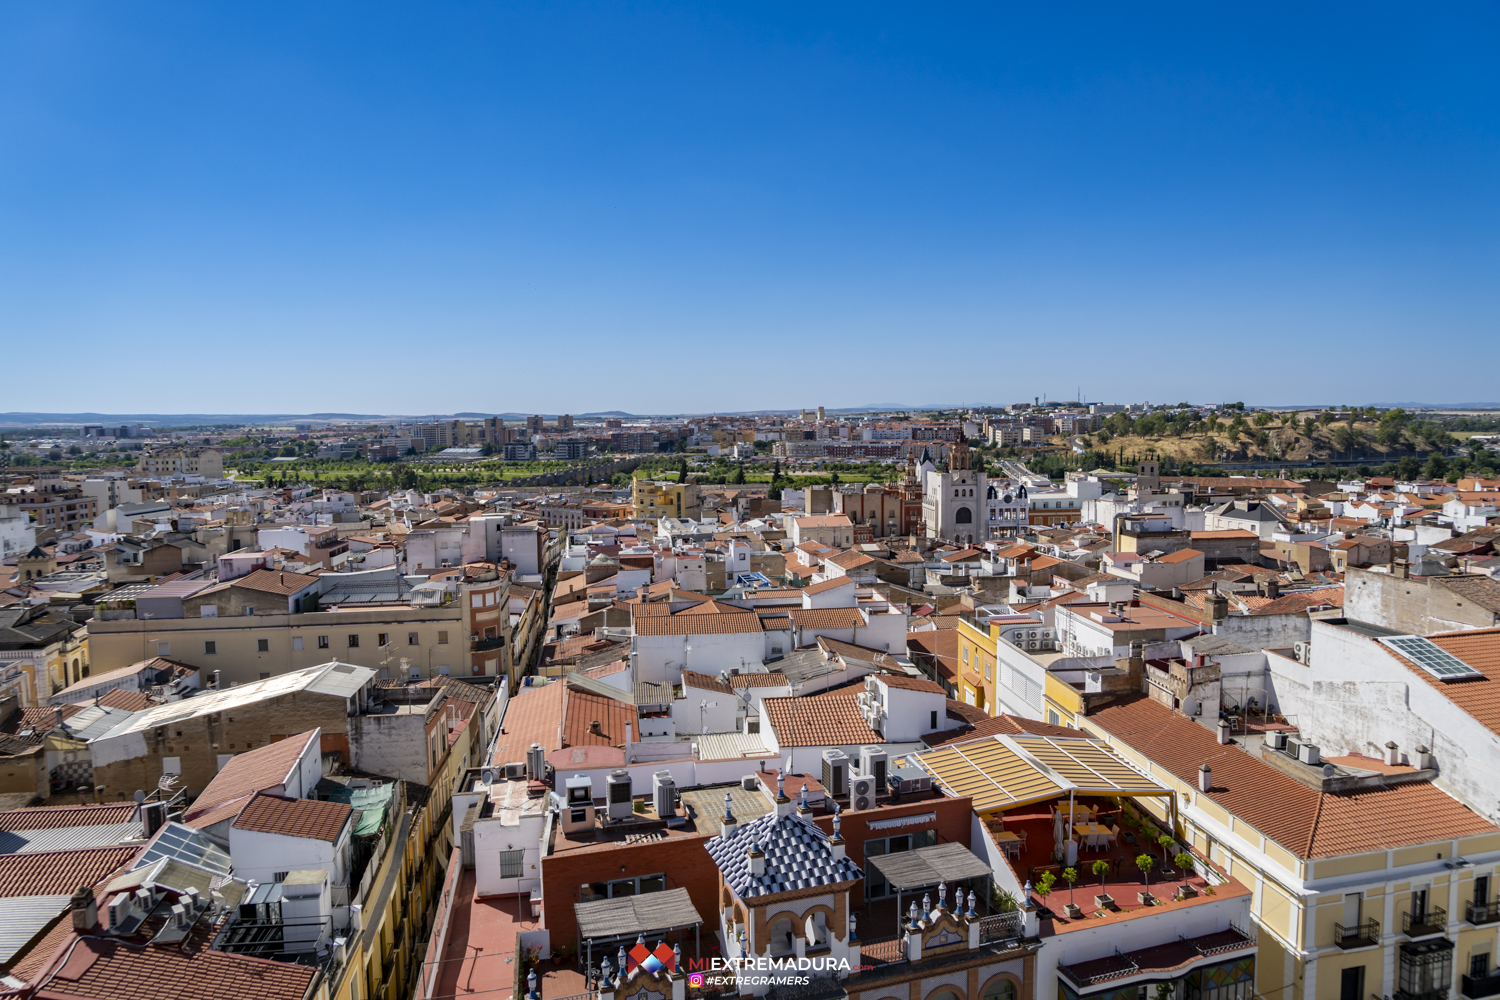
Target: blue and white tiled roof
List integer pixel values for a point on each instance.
(798, 856)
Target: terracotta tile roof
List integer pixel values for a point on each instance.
(1230, 533)
(704, 682)
(110, 968)
(682, 624)
(850, 560)
(1000, 725)
(830, 719)
(534, 715)
(581, 709)
(907, 556)
(712, 607)
(307, 818)
(58, 817)
(272, 581)
(858, 653)
(1481, 590)
(1290, 604)
(605, 670)
(970, 715)
(1305, 821)
(826, 618)
(963, 555)
(825, 521)
(939, 644)
(773, 679)
(908, 683)
(245, 775)
(1479, 697)
(830, 584)
(38, 717)
(1181, 555)
(60, 873)
(126, 700)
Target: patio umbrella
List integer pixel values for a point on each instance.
(1057, 826)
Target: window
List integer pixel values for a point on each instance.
(208, 611)
(281, 876)
(250, 611)
(411, 639)
(511, 863)
(1053, 718)
(163, 649)
(442, 638)
(933, 724)
(1479, 965)
(875, 884)
(262, 645)
(210, 648)
(296, 642)
(322, 642)
(353, 641)
(171, 765)
(383, 639)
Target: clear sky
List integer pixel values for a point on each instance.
(427, 208)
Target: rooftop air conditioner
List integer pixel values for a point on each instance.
(515, 770)
(835, 773)
(618, 795)
(862, 791)
(873, 763)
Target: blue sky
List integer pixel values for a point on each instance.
(508, 207)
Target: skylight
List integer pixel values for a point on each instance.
(186, 844)
(1432, 658)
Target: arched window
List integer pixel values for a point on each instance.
(964, 516)
(1000, 989)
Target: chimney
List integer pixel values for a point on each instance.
(1273, 588)
(1225, 736)
(1205, 778)
(728, 826)
(757, 859)
(1425, 760)
(85, 910)
(627, 743)
(1217, 606)
(216, 681)
(1392, 754)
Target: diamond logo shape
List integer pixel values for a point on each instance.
(665, 957)
(641, 955)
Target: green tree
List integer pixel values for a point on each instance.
(1347, 438)
(1437, 466)
(738, 478)
(1070, 875)
(682, 470)
(1408, 467)
(1184, 863)
(1100, 868)
(1044, 886)
(1145, 863)
(1164, 841)
(1263, 418)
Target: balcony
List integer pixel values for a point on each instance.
(1360, 935)
(1441, 994)
(1421, 924)
(485, 645)
(1477, 987)
(1482, 913)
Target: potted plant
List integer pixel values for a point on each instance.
(1145, 863)
(1101, 868)
(1044, 887)
(1164, 841)
(1185, 865)
(1070, 875)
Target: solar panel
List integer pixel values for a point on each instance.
(186, 844)
(1432, 658)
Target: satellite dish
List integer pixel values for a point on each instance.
(140, 796)
(487, 776)
(1007, 498)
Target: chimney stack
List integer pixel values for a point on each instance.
(1225, 737)
(1217, 606)
(1392, 753)
(1205, 778)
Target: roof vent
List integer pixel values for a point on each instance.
(595, 728)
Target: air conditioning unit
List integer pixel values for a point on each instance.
(749, 783)
(664, 794)
(618, 795)
(1301, 650)
(862, 792)
(1276, 739)
(873, 763)
(835, 773)
(909, 780)
(515, 770)
(1308, 753)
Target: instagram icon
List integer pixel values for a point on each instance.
(695, 980)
